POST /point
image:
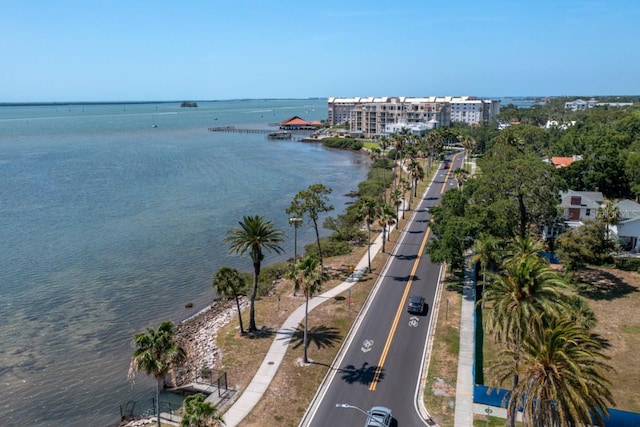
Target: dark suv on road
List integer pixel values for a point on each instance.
(416, 304)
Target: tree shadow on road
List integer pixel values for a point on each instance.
(363, 375)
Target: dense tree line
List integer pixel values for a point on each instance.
(606, 138)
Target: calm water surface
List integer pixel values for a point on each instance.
(109, 225)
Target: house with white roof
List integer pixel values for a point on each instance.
(577, 207)
(628, 227)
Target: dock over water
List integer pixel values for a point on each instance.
(272, 134)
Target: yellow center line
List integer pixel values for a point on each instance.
(446, 178)
(394, 326)
(392, 331)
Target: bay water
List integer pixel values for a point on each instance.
(112, 219)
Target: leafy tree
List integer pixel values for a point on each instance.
(198, 413)
(311, 203)
(155, 353)
(562, 376)
(230, 283)
(454, 229)
(309, 277)
(254, 236)
(632, 173)
(602, 168)
(584, 245)
(531, 185)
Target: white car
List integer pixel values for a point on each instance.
(379, 416)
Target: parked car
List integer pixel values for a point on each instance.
(379, 416)
(416, 304)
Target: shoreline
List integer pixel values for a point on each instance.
(198, 335)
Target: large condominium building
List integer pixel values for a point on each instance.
(370, 116)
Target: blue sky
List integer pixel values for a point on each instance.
(81, 50)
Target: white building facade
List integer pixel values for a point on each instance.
(370, 116)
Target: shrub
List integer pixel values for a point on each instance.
(329, 248)
(627, 264)
(344, 143)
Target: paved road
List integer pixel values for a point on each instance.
(383, 359)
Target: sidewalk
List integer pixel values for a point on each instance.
(464, 387)
(260, 382)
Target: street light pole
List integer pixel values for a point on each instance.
(295, 222)
(347, 406)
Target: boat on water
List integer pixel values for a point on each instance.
(279, 135)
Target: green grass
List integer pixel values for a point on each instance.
(493, 422)
(631, 329)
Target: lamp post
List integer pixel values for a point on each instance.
(295, 222)
(347, 406)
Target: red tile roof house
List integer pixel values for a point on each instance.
(563, 162)
(297, 123)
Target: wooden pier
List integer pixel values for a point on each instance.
(238, 130)
(272, 134)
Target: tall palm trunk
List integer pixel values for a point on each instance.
(369, 247)
(384, 236)
(315, 227)
(239, 314)
(159, 386)
(254, 294)
(306, 319)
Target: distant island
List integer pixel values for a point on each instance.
(187, 104)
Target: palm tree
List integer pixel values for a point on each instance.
(525, 291)
(368, 212)
(521, 297)
(416, 172)
(396, 198)
(524, 247)
(562, 376)
(468, 143)
(461, 176)
(609, 214)
(386, 218)
(434, 144)
(230, 283)
(484, 252)
(309, 277)
(156, 352)
(399, 143)
(198, 413)
(406, 187)
(254, 236)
